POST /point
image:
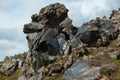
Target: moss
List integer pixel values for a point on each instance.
(117, 61)
(57, 77)
(18, 56)
(104, 71)
(14, 76)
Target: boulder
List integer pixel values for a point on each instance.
(32, 27)
(109, 30)
(47, 43)
(53, 14)
(43, 35)
(89, 34)
(66, 25)
(9, 66)
(81, 70)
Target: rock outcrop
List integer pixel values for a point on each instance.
(9, 66)
(98, 32)
(47, 34)
(57, 48)
(51, 35)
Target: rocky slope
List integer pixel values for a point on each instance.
(59, 50)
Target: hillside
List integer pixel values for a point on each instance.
(58, 50)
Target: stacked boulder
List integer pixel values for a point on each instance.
(50, 34)
(55, 45)
(98, 32)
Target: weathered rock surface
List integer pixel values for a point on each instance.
(47, 34)
(80, 70)
(9, 66)
(57, 47)
(98, 32)
(51, 15)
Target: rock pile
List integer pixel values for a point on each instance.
(49, 35)
(98, 32)
(55, 45)
(9, 66)
(115, 17)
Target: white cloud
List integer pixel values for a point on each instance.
(4, 4)
(90, 8)
(10, 48)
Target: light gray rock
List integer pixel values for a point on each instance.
(81, 70)
(32, 27)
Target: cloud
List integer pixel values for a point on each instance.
(10, 48)
(91, 8)
(4, 4)
(15, 13)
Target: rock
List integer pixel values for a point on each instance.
(42, 35)
(30, 38)
(47, 48)
(102, 78)
(33, 62)
(20, 63)
(111, 32)
(69, 62)
(108, 69)
(75, 41)
(115, 55)
(53, 14)
(66, 25)
(103, 31)
(9, 66)
(55, 44)
(81, 70)
(99, 42)
(36, 78)
(32, 27)
(50, 39)
(118, 45)
(53, 69)
(67, 48)
(89, 34)
(105, 40)
(107, 25)
(115, 18)
(118, 56)
(79, 50)
(24, 77)
(105, 18)
(62, 42)
(111, 66)
(35, 18)
(74, 30)
(100, 53)
(76, 47)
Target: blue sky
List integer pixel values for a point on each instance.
(15, 13)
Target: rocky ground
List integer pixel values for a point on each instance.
(59, 50)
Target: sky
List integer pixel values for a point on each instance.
(15, 13)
